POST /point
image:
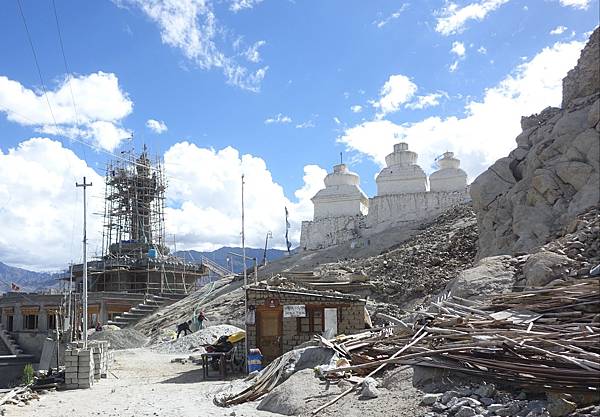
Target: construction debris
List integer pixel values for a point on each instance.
(541, 339)
(19, 396)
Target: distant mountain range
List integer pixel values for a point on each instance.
(29, 281)
(221, 256)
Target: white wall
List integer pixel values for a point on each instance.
(322, 233)
(410, 207)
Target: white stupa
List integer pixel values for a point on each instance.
(449, 177)
(341, 196)
(402, 174)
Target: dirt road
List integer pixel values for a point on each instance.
(144, 383)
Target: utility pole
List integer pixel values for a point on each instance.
(85, 283)
(243, 237)
(69, 313)
(245, 280)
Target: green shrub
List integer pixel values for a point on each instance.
(28, 374)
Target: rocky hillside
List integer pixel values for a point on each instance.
(525, 199)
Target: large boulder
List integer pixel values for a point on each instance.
(493, 275)
(525, 199)
(543, 267)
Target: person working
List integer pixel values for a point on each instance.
(184, 327)
(201, 318)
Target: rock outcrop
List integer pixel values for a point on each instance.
(525, 199)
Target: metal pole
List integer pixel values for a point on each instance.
(255, 272)
(69, 315)
(85, 283)
(245, 280)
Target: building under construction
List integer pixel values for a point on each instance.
(134, 255)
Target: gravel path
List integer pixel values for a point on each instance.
(148, 384)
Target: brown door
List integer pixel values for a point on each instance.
(269, 331)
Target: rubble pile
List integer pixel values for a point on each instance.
(19, 396)
(121, 338)
(485, 400)
(423, 264)
(196, 341)
(573, 254)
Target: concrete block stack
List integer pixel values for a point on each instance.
(79, 368)
(100, 352)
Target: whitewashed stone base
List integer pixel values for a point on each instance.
(384, 212)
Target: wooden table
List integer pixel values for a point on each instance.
(206, 363)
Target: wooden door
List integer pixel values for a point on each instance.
(269, 328)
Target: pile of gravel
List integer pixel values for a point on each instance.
(121, 338)
(195, 341)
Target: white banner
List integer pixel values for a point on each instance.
(295, 310)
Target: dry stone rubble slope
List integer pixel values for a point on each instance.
(423, 264)
(523, 200)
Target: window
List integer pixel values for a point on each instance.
(30, 321)
(10, 323)
(51, 321)
(312, 323)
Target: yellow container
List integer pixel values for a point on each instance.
(237, 336)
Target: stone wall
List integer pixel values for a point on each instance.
(390, 209)
(384, 211)
(322, 233)
(351, 315)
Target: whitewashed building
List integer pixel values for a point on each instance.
(449, 177)
(341, 196)
(342, 212)
(401, 174)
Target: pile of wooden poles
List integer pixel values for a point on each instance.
(546, 338)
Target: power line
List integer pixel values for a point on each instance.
(37, 65)
(62, 49)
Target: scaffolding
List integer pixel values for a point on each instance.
(134, 206)
(135, 257)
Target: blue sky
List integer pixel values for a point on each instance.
(288, 84)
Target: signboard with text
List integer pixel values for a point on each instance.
(294, 310)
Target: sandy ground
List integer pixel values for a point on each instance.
(144, 383)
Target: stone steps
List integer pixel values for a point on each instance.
(9, 342)
(150, 305)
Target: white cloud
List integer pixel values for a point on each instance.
(356, 108)
(559, 30)
(381, 23)
(452, 18)
(397, 90)
(482, 50)
(193, 27)
(305, 125)
(488, 130)
(429, 100)
(252, 54)
(41, 210)
(458, 48)
(100, 103)
(204, 210)
(337, 121)
(157, 126)
(453, 67)
(576, 4)
(278, 119)
(237, 5)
